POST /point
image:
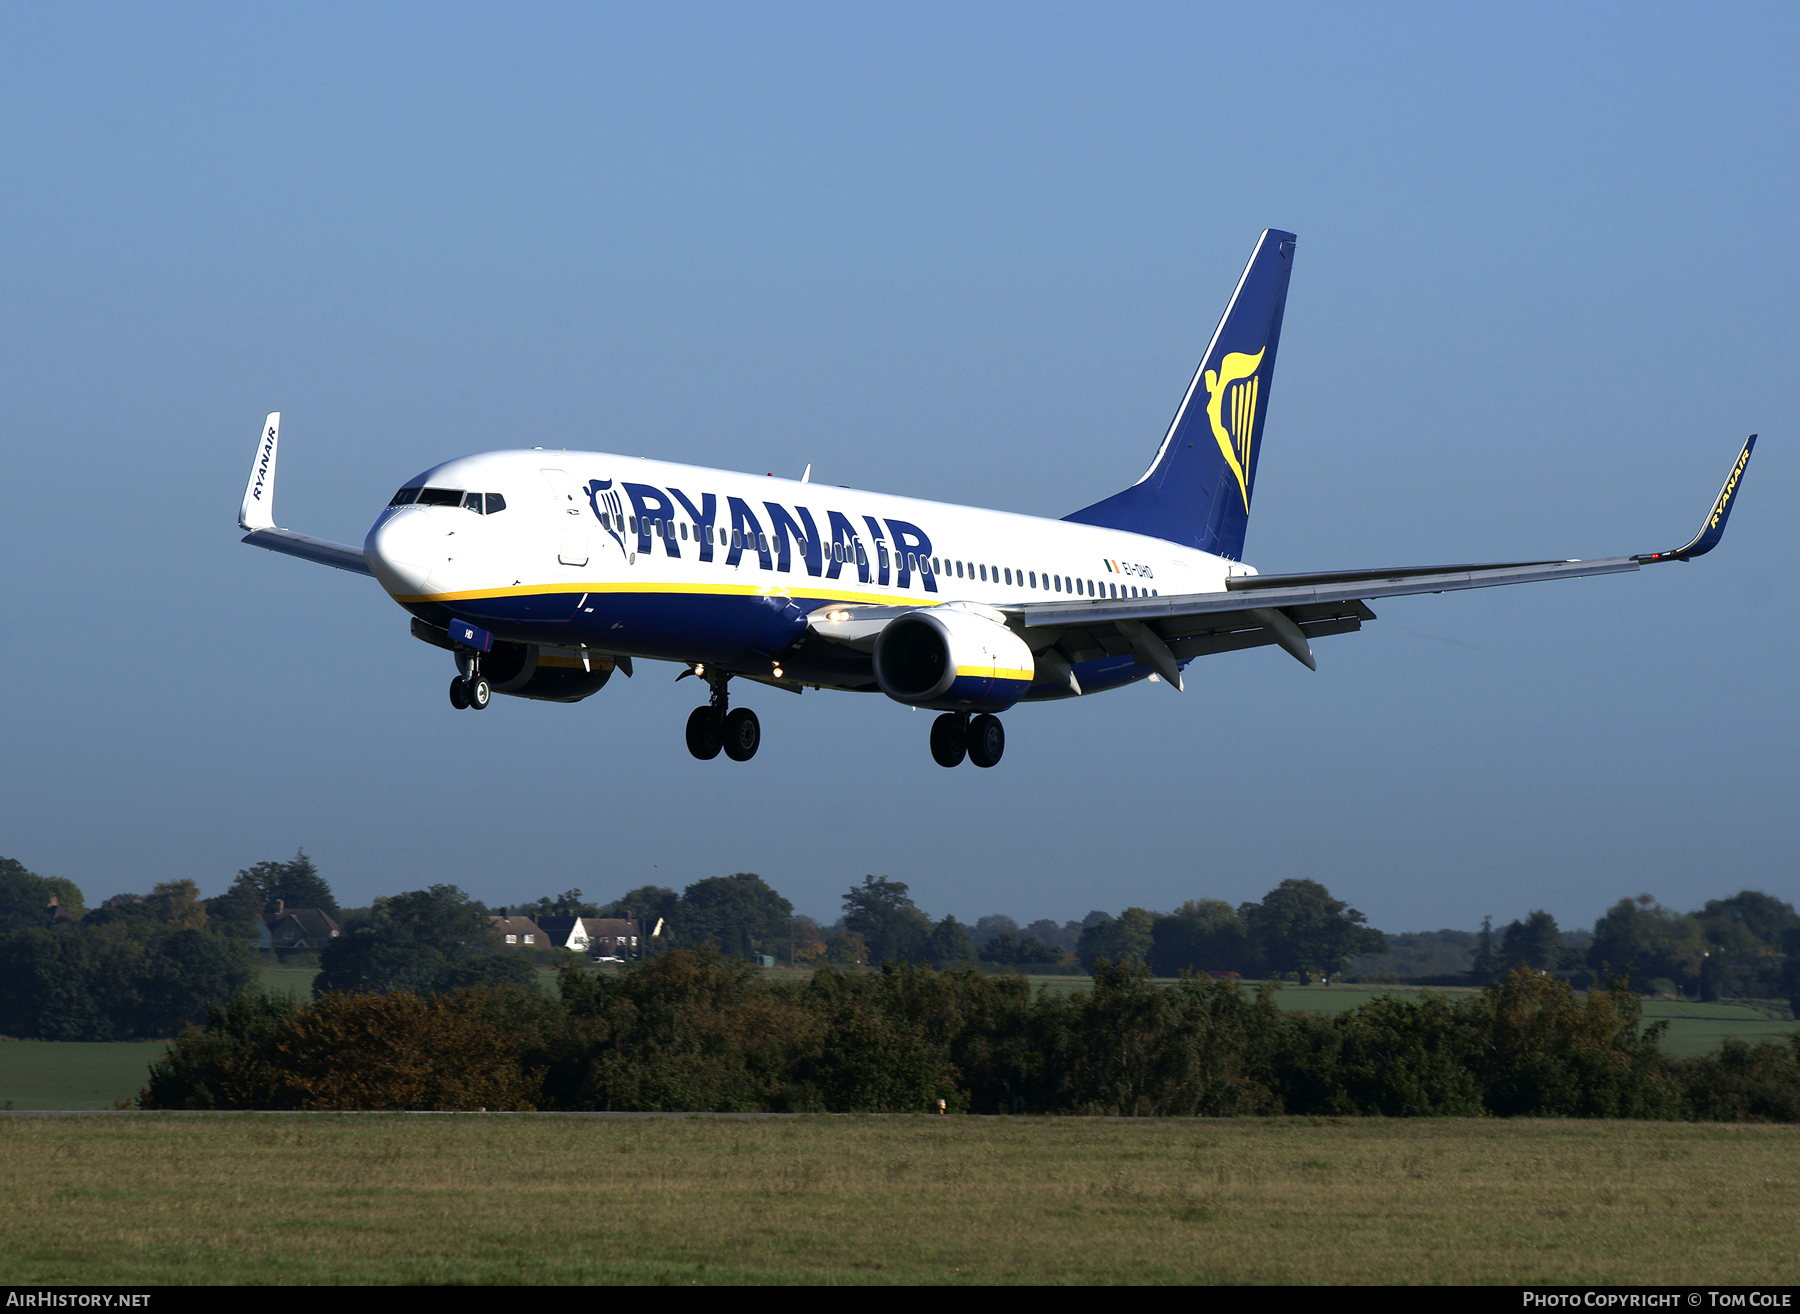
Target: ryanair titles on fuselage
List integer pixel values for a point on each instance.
(663, 513)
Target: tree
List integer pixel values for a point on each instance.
(986, 928)
(806, 940)
(1648, 940)
(650, 904)
(892, 926)
(177, 903)
(1066, 936)
(1748, 923)
(1486, 962)
(1203, 935)
(424, 941)
(25, 897)
(236, 912)
(296, 883)
(950, 943)
(847, 949)
(1534, 942)
(1127, 938)
(567, 904)
(1299, 927)
(739, 915)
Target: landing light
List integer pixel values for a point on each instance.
(837, 615)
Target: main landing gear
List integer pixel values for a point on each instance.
(713, 727)
(955, 735)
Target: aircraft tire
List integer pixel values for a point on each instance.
(459, 694)
(987, 740)
(479, 693)
(949, 744)
(743, 735)
(703, 738)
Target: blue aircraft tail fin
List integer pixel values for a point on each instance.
(1198, 489)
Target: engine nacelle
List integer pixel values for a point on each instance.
(952, 659)
(528, 670)
(552, 675)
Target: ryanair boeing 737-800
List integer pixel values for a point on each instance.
(545, 571)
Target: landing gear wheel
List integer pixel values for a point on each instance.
(703, 738)
(742, 735)
(478, 692)
(987, 740)
(459, 694)
(949, 742)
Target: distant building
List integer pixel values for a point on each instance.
(520, 932)
(611, 937)
(565, 932)
(297, 928)
(56, 914)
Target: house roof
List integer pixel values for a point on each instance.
(521, 927)
(303, 927)
(560, 929)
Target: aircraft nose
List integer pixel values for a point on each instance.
(402, 550)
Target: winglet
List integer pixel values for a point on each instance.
(258, 511)
(1713, 528)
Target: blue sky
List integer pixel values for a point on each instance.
(1545, 284)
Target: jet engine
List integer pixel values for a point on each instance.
(529, 670)
(954, 659)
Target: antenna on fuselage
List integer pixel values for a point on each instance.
(807, 477)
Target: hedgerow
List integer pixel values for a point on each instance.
(692, 1031)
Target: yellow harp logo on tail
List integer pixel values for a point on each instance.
(1233, 393)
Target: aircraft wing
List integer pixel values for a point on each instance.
(323, 551)
(1290, 610)
(257, 514)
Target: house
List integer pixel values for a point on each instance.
(56, 914)
(611, 937)
(296, 928)
(566, 932)
(520, 932)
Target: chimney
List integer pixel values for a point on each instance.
(280, 907)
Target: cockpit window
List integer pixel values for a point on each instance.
(479, 503)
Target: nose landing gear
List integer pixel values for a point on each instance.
(471, 691)
(955, 736)
(714, 727)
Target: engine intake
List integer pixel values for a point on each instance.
(952, 659)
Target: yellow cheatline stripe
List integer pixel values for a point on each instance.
(716, 590)
(993, 673)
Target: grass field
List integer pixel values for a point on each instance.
(372, 1198)
(73, 1074)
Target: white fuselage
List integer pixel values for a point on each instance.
(648, 558)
